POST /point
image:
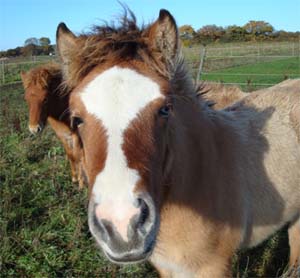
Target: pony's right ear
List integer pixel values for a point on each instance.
(65, 43)
(163, 36)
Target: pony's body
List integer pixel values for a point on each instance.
(49, 102)
(170, 178)
(244, 170)
(219, 95)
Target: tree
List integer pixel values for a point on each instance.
(45, 45)
(13, 52)
(29, 50)
(210, 33)
(186, 32)
(235, 33)
(44, 41)
(33, 41)
(258, 29)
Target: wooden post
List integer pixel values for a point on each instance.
(202, 57)
(293, 49)
(3, 73)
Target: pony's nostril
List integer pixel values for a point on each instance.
(144, 215)
(39, 128)
(104, 228)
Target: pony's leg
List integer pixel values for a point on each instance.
(81, 176)
(64, 134)
(294, 241)
(78, 158)
(73, 171)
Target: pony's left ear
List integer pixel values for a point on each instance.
(66, 44)
(163, 35)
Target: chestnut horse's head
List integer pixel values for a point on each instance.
(121, 104)
(36, 83)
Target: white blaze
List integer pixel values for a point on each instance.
(115, 97)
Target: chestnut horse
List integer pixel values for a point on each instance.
(170, 179)
(48, 102)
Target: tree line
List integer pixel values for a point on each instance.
(251, 31)
(32, 47)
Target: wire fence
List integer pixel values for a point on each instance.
(251, 66)
(10, 68)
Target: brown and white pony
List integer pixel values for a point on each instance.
(48, 102)
(170, 179)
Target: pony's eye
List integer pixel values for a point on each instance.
(76, 122)
(165, 111)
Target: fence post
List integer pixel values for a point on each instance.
(293, 49)
(202, 57)
(3, 72)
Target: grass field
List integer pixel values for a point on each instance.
(262, 73)
(255, 64)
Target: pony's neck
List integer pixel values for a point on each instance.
(203, 156)
(58, 102)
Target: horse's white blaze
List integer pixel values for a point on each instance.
(115, 97)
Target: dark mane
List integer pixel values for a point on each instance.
(121, 41)
(42, 75)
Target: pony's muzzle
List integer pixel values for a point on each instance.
(34, 129)
(125, 232)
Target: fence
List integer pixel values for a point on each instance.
(10, 68)
(250, 66)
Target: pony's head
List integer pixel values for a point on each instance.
(36, 83)
(121, 106)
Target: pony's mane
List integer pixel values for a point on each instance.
(118, 41)
(42, 75)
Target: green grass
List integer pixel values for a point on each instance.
(43, 216)
(253, 61)
(258, 73)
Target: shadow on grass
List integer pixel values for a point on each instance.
(269, 259)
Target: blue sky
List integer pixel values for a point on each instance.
(22, 19)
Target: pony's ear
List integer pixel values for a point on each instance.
(65, 43)
(163, 35)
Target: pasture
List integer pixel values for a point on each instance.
(257, 73)
(250, 65)
(43, 216)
